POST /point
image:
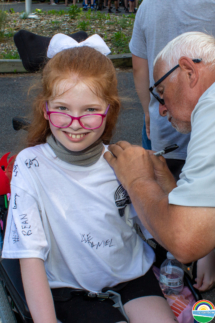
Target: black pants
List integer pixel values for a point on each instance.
(80, 309)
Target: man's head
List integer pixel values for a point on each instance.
(191, 57)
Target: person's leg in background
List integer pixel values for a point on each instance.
(126, 5)
(146, 143)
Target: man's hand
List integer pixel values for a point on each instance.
(130, 163)
(163, 175)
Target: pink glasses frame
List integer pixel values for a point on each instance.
(77, 118)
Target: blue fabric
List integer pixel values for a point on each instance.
(146, 143)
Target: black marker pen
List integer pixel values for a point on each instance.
(166, 150)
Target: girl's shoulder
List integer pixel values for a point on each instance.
(32, 152)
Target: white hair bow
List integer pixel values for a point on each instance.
(60, 42)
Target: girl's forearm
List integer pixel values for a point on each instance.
(37, 290)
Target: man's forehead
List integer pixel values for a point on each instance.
(160, 69)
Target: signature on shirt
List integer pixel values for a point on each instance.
(87, 238)
(32, 162)
(15, 201)
(25, 225)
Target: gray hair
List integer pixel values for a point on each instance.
(191, 44)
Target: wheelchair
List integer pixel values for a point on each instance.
(13, 305)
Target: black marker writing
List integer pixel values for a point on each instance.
(86, 238)
(15, 169)
(15, 201)
(25, 225)
(30, 162)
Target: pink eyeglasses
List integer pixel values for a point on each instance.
(64, 120)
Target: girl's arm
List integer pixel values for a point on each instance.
(37, 290)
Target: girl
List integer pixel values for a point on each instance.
(70, 221)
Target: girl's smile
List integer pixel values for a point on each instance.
(76, 99)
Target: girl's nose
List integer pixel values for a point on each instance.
(75, 125)
(162, 110)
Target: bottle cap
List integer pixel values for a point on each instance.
(169, 255)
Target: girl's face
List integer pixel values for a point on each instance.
(77, 100)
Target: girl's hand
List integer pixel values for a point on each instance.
(205, 279)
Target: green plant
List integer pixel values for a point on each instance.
(123, 23)
(61, 12)
(10, 55)
(11, 10)
(38, 11)
(88, 14)
(3, 17)
(100, 16)
(131, 15)
(120, 40)
(55, 22)
(52, 12)
(74, 11)
(9, 33)
(82, 25)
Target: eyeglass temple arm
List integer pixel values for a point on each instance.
(195, 60)
(107, 109)
(47, 107)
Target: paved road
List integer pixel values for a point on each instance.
(15, 101)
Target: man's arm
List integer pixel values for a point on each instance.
(37, 290)
(141, 80)
(187, 232)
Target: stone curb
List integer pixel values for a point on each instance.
(15, 65)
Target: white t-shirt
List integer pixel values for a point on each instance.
(79, 220)
(197, 181)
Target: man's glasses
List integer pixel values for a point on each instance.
(161, 101)
(87, 121)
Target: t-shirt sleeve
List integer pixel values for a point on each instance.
(137, 44)
(132, 219)
(24, 236)
(196, 185)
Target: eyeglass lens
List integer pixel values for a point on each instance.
(63, 121)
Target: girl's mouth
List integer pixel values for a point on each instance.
(77, 137)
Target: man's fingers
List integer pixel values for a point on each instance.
(123, 144)
(109, 158)
(117, 148)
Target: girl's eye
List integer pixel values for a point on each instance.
(61, 108)
(91, 109)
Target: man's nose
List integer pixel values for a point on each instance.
(162, 110)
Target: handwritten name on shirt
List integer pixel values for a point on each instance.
(15, 201)
(32, 162)
(25, 225)
(87, 238)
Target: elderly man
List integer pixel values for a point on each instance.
(180, 216)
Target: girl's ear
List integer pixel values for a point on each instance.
(45, 113)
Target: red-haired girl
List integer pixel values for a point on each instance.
(70, 221)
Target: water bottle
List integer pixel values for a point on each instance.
(171, 276)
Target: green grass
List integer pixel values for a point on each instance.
(10, 55)
(83, 25)
(3, 18)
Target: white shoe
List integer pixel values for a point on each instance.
(53, 4)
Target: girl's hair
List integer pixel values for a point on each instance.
(87, 65)
(191, 44)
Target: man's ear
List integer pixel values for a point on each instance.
(191, 69)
